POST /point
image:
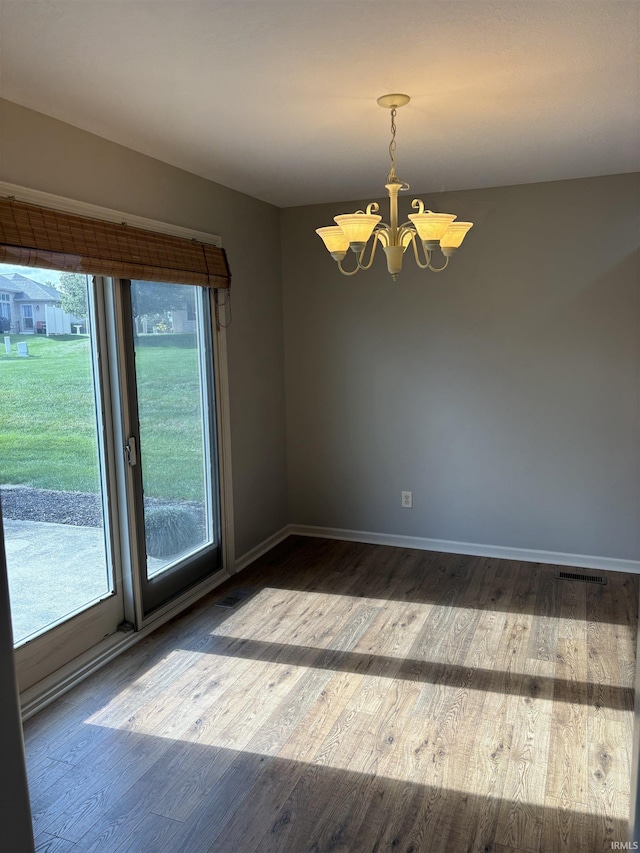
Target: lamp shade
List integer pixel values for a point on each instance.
(431, 226)
(333, 238)
(454, 235)
(357, 227)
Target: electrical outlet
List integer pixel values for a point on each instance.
(407, 500)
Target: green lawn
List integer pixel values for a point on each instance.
(47, 420)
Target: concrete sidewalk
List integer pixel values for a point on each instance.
(53, 570)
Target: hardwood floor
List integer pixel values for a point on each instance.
(363, 698)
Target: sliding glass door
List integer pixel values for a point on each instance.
(108, 463)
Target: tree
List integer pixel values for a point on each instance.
(73, 287)
(155, 300)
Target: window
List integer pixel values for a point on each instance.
(5, 306)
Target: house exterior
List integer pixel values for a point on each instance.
(23, 303)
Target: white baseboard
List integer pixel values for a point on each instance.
(261, 548)
(611, 564)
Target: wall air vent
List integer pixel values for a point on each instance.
(574, 576)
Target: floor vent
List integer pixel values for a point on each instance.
(234, 598)
(573, 576)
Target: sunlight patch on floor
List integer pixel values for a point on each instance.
(226, 720)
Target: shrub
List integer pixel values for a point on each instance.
(170, 530)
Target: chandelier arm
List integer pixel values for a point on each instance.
(362, 266)
(406, 229)
(348, 272)
(439, 269)
(382, 232)
(427, 255)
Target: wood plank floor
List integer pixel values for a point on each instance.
(362, 698)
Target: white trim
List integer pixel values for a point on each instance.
(40, 695)
(94, 211)
(554, 558)
(36, 698)
(262, 548)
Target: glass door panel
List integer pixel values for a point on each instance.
(171, 334)
(53, 472)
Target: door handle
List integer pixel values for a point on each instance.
(131, 451)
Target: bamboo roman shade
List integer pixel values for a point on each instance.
(36, 236)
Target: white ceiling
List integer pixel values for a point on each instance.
(277, 98)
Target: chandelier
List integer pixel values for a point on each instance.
(354, 230)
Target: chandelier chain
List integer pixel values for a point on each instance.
(392, 177)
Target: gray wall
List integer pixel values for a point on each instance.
(45, 154)
(503, 392)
